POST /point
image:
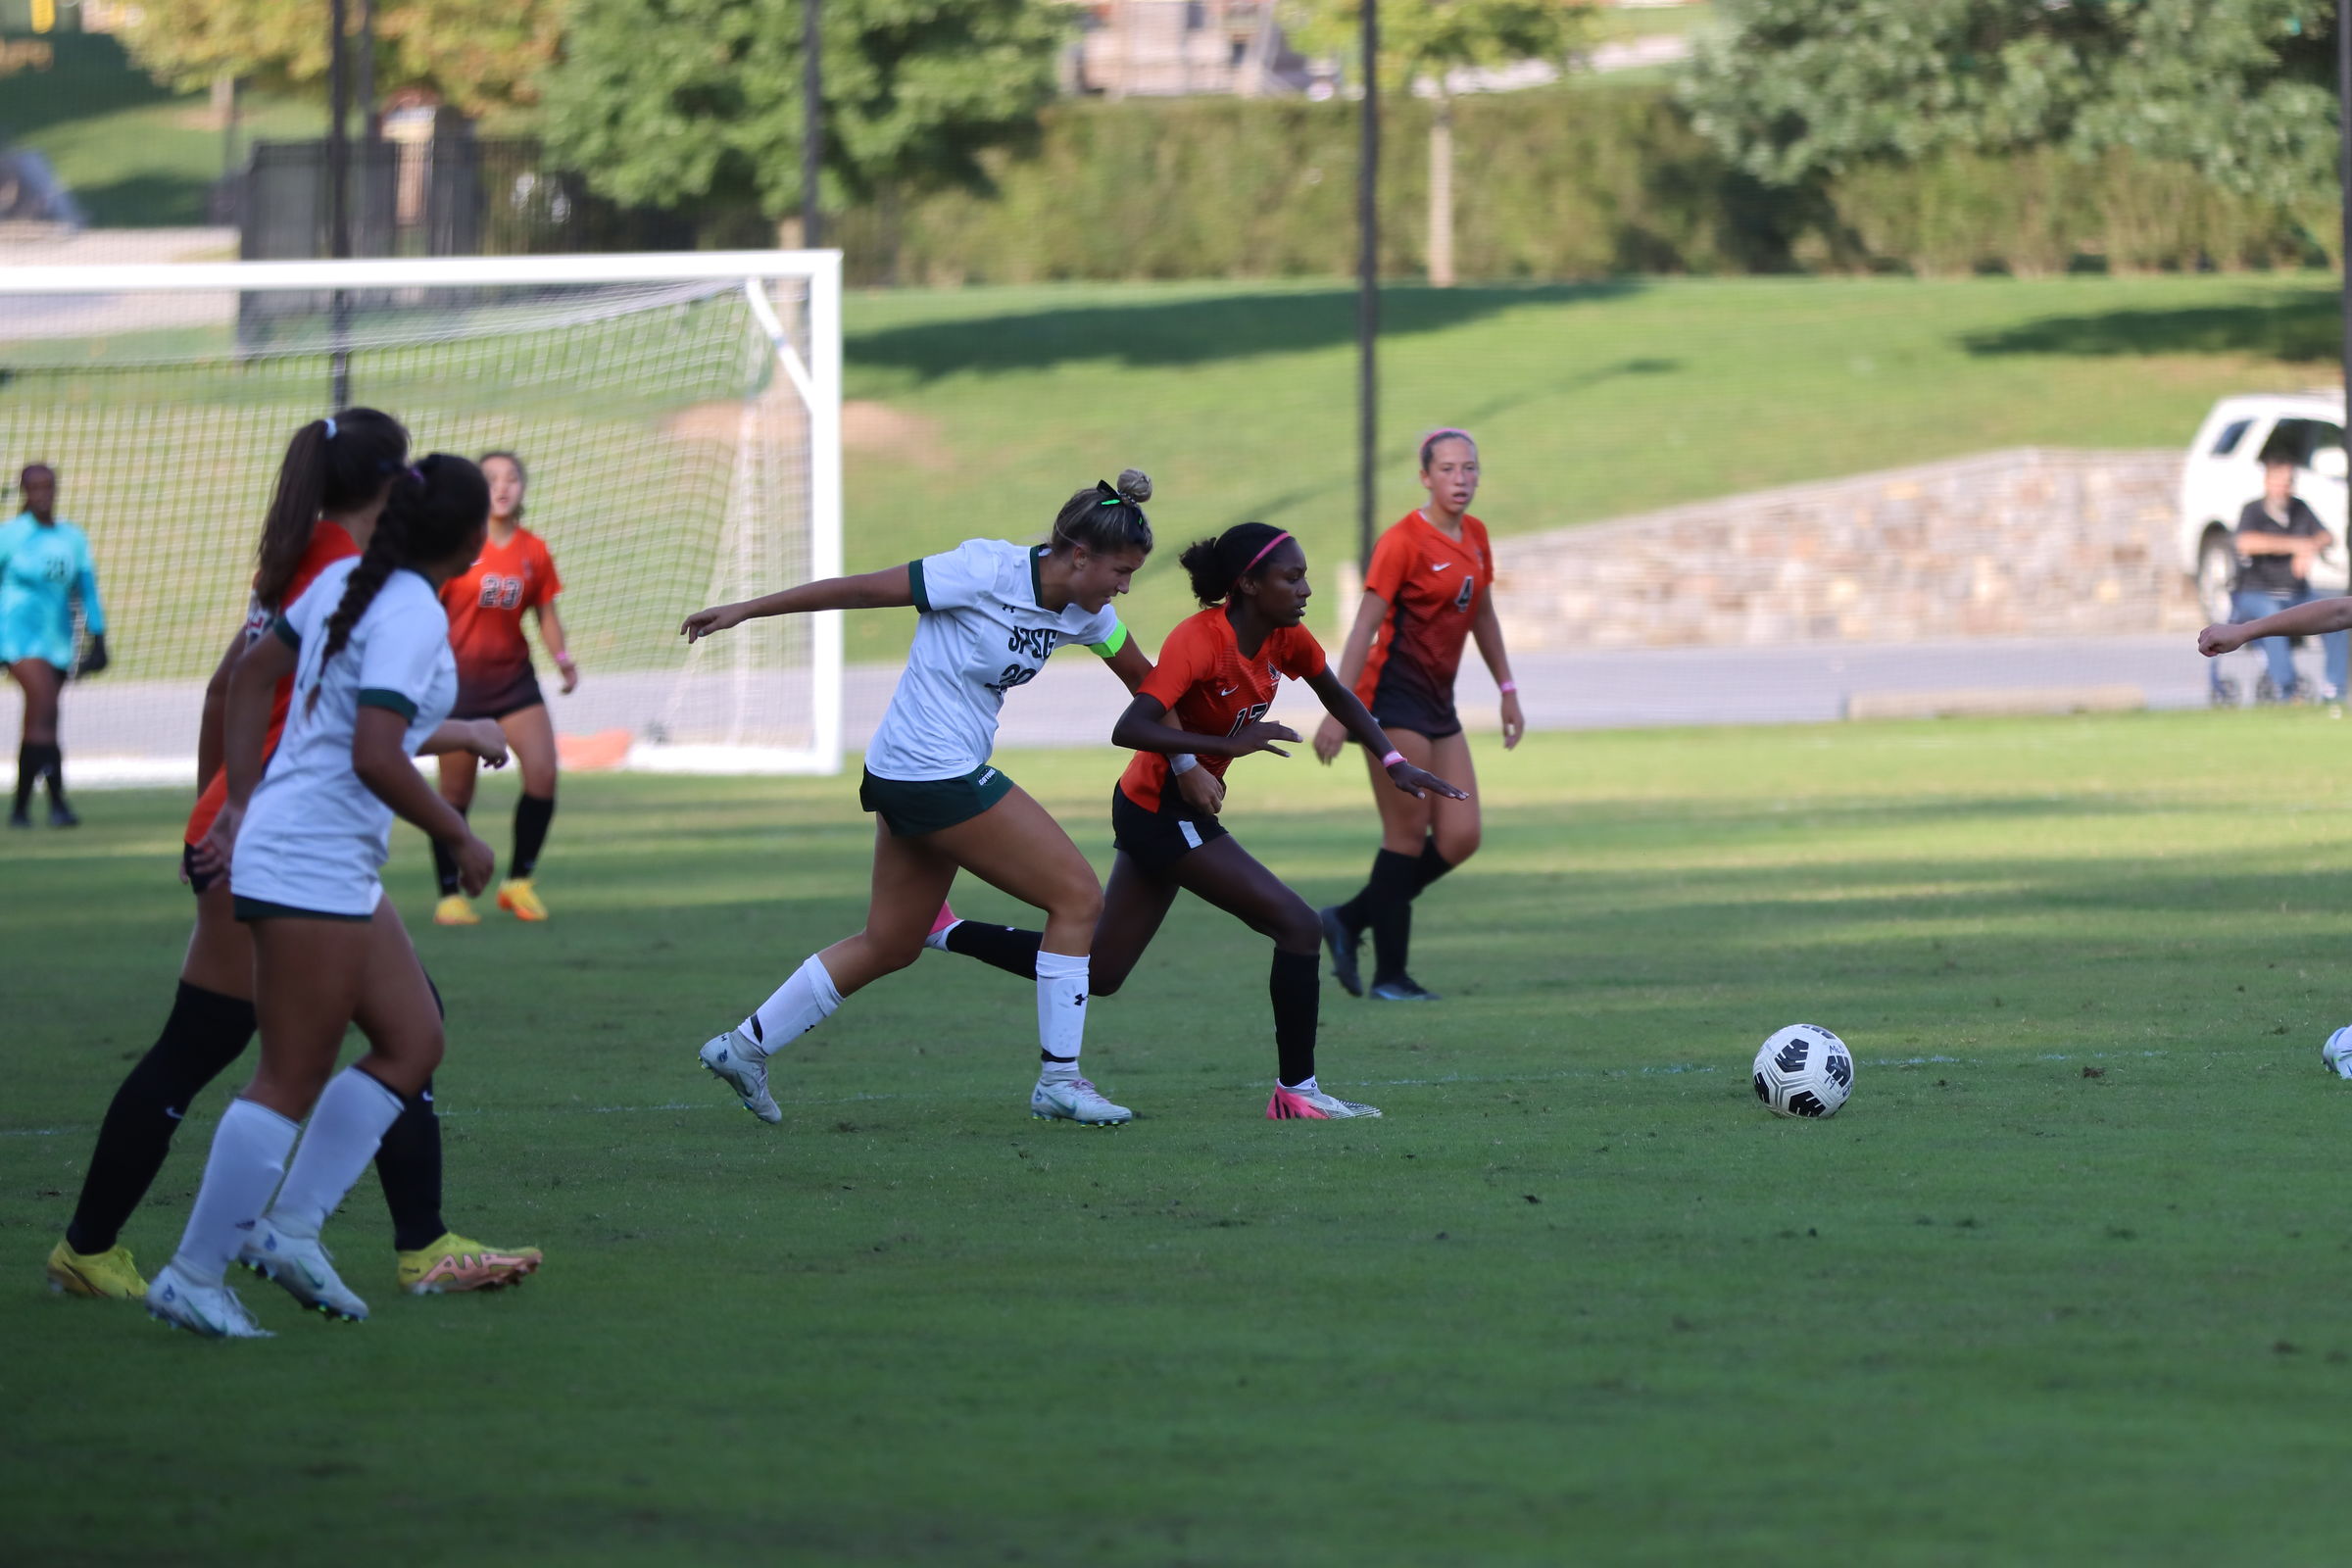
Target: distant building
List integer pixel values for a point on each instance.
(1173, 48)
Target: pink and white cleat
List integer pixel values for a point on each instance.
(1307, 1102)
(936, 941)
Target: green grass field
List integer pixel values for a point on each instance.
(2066, 1281)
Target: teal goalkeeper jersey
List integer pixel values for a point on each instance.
(43, 572)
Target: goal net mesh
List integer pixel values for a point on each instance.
(669, 457)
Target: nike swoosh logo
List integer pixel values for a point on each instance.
(173, 1115)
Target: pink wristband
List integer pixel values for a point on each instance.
(1392, 760)
(1509, 686)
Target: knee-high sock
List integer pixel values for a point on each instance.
(1296, 987)
(531, 818)
(53, 767)
(1431, 866)
(32, 760)
(205, 1032)
(797, 1007)
(249, 1156)
(1387, 906)
(1009, 948)
(445, 862)
(344, 1131)
(1060, 1010)
(407, 1166)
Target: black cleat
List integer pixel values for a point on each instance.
(1403, 988)
(62, 815)
(18, 819)
(1345, 946)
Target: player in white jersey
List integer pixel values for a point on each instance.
(303, 843)
(992, 613)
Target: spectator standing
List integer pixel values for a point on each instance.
(2278, 537)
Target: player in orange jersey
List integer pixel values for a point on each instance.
(330, 490)
(495, 681)
(1217, 677)
(1429, 589)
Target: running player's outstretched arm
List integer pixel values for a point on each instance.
(891, 588)
(1203, 790)
(379, 755)
(1330, 736)
(1144, 729)
(484, 738)
(1340, 703)
(1486, 627)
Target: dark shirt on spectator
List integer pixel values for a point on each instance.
(2275, 574)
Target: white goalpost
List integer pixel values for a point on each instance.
(678, 415)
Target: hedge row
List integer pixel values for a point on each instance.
(1570, 183)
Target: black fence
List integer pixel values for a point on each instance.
(452, 195)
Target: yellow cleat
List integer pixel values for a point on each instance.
(454, 1263)
(109, 1274)
(519, 899)
(454, 911)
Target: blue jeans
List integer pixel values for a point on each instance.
(2252, 604)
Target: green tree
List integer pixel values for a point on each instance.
(1422, 44)
(2243, 89)
(664, 101)
(479, 55)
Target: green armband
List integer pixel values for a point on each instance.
(1110, 646)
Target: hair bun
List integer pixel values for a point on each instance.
(1135, 485)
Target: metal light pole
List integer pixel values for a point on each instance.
(1367, 288)
(812, 121)
(2343, 166)
(338, 204)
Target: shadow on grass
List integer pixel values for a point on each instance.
(1146, 335)
(147, 201)
(2303, 328)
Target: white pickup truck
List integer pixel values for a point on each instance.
(2224, 473)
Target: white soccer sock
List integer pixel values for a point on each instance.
(936, 941)
(1061, 1011)
(1304, 1086)
(248, 1157)
(799, 1005)
(342, 1136)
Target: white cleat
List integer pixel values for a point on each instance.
(1076, 1100)
(743, 1067)
(1309, 1103)
(211, 1310)
(2337, 1052)
(304, 1269)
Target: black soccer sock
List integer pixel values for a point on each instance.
(532, 818)
(205, 1032)
(1296, 987)
(445, 863)
(1431, 866)
(408, 1165)
(1009, 948)
(28, 768)
(1389, 901)
(53, 768)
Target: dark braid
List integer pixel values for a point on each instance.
(432, 509)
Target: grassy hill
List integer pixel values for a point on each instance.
(135, 154)
(979, 409)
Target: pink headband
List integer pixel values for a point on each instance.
(1260, 556)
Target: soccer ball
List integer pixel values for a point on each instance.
(1805, 1070)
(2336, 1054)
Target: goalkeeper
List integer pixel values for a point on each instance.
(45, 569)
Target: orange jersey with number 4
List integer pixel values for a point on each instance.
(1210, 688)
(486, 601)
(329, 545)
(1431, 584)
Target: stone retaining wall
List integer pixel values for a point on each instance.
(2019, 543)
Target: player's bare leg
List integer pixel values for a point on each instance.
(458, 773)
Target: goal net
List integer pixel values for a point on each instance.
(678, 416)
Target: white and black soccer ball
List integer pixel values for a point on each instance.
(1804, 1071)
(2336, 1054)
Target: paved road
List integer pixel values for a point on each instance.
(140, 732)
